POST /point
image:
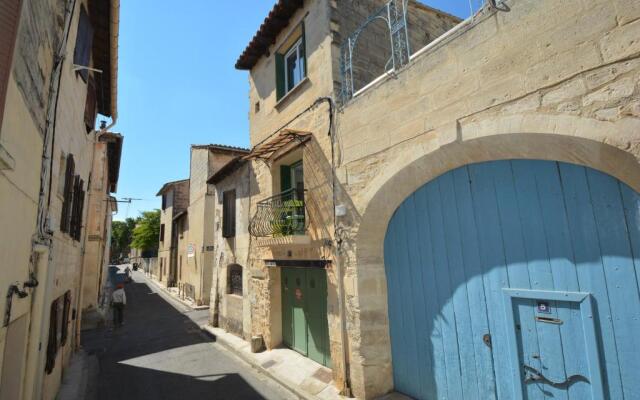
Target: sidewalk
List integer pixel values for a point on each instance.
(173, 292)
(306, 378)
(79, 378)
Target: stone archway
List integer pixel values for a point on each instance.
(373, 376)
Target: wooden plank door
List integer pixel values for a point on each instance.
(455, 245)
(318, 331)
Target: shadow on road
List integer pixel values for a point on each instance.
(160, 353)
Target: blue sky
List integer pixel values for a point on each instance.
(178, 85)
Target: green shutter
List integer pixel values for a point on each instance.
(285, 178)
(280, 90)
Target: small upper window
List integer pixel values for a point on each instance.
(84, 41)
(294, 65)
(291, 62)
(229, 214)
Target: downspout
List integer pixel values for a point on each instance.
(339, 267)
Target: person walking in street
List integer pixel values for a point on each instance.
(118, 302)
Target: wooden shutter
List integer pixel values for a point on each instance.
(52, 343)
(229, 213)
(9, 18)
(84, 42)
(65, 318)
(280, 89)
(78, 207)
(68, 194)
(91, 105)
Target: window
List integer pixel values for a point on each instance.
(62, 168)
(291, 63)
(84, 42)
(164, 201)
(229, 214)
(52, 343)
(75, 225)
(68, 194)
(161, 234)
(91, 106)
(64, 334)
(234, 279)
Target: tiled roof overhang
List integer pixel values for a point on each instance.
(275, 22)
(279, 144)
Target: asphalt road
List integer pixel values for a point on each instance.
(160, 353)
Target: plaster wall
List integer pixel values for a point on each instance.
(21, 138)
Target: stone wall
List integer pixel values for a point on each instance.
(569, 95)
(372, 53)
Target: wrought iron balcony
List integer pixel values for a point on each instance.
(279, 215)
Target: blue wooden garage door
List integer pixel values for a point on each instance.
(516, 279)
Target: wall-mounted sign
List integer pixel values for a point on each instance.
(191, 250)
(543, 307)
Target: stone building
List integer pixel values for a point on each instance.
(193, 225)
(101, 206)
(175, 200)
(230, 308)
(55, 57)
(446, 228)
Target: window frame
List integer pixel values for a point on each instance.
(296, 41)
(296, 47)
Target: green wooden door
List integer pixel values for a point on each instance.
(304, 313)
(318, 330)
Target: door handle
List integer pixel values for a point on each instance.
(536, 376)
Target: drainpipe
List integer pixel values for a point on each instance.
(339, 267)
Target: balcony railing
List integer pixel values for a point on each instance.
(279, 215)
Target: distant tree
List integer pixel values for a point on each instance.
(121, 234)
(146, 234)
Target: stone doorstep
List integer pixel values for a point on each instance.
(300, 375)
(174, 295)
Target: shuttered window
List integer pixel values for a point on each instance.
(65, 318)
(68, 194)
(52, 343)
(291, 62)
(9, 18)
(77, 208)
(91, 105)
(229, 213)
(84, 42)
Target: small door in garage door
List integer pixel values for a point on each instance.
(304, 312)
(554, 347)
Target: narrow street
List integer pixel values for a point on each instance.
(160, 353)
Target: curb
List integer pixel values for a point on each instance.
(287, 385)
(168, 293)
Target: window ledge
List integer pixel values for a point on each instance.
(290, 93)
(7, 162)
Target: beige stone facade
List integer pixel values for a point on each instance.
(175, 200)
(48, 115)
(231, 305)
(544, 80)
